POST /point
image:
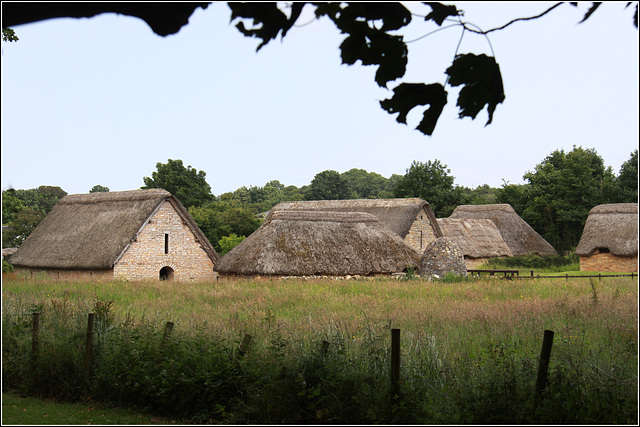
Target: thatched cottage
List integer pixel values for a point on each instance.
(478, 239)
(517, 234)
(133, 235)
(412, 218)
(319, 243)
(609, 241)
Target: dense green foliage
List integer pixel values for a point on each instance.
(430, 181)
(533, 261)
(22, 211)
(187, 184)
(99, 189)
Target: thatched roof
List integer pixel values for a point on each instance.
(476, 238)
(517, 234)
(92, 231)
(397, 214)
(304, 243)
(613, 226)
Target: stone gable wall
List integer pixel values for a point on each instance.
(609, 262)
(146, 256)
(421, 233)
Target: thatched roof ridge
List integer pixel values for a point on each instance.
(397, 214)
(303, 243)
(92, 231)
(613, 226)
(517, 234)
(476, 238)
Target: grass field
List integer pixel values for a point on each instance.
(466, 344)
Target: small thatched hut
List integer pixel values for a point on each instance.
(478, 239)
(412, 218)
(609, 240)
(140, 234)
(317, 243)
(517, 234)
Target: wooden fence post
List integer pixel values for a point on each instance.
(395, 360)
(168, 327)
(88, 351)
(324, 348)
(35, 343)
(244, 346)
(543, 367)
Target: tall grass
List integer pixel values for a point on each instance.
(469, 348)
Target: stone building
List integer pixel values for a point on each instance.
(132, 235)
(412, 218)
(609, 241)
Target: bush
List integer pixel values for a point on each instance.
(533, 261)
(6, 267)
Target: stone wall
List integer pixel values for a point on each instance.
(442, 256)
(146, 256)
(421, 233)
(609, 262)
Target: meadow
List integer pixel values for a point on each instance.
(469, 348)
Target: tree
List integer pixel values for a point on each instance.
(223, 218)
(99, 189)
(627, 180)
(8, 35)
(562, 191)
(366, 185)
(430, 181)
(229, 242)
(328, 185)
(11, 205)
(186, 184)
(42, 199)
(515, 195)
(372, 37)
(25, 221)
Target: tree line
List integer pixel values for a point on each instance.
(555, 200)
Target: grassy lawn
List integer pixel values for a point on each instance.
(18, 410)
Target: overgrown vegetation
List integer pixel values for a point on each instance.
(469, 349)
(539, 262)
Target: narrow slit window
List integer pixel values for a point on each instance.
(603, 250)
(166, 243)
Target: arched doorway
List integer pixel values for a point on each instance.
(166, 273)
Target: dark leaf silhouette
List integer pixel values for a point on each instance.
(270, 20)
(409, 95)
(480, 75)
(592, 9)
(440, 12)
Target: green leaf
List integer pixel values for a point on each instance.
(409, 95)
(480, 75)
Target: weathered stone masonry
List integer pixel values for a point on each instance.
(421, 233)
(146, 256)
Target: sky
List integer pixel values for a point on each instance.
(101, 101)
